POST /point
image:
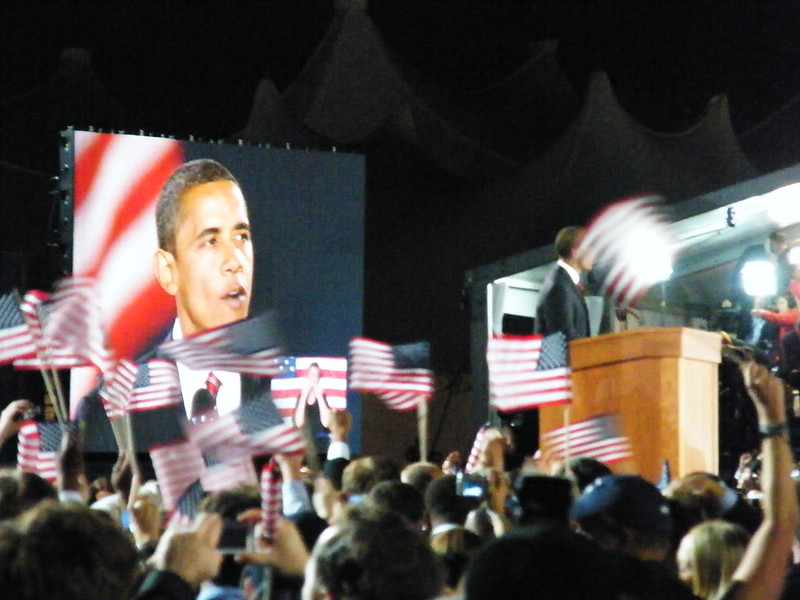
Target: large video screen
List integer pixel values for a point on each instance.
(306, 214)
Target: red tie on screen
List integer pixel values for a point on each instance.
(213, 384)
(204, 403)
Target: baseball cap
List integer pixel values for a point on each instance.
(630, 500)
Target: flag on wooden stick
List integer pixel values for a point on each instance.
(398, 375)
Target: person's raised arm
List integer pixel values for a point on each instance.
(762, 570)
(11, 418)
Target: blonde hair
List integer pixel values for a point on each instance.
(708, 556)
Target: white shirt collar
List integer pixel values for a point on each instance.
(573, 274)
(230, 392)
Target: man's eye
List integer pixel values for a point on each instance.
(210, 242)
(243, 236)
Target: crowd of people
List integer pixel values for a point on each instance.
(369, 528)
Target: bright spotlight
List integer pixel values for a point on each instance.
(758, 278)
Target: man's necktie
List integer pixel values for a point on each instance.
(204, 402)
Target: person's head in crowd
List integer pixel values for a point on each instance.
(20, 490)
(371, 555)
(626, 513)
(401, 498)
(568, 248)
(443, 503)
(455, 550)
(67, 551)
(99, 488)
(420, 474)
(545, 563)
(777, 243)
(583, 470)
(364, 473)
(334, 470)
(699, 491)
(205, 255)
(543, 498)
(708, 556)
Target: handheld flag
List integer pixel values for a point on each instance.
(598, 437)
(528, 371)
(398, 375)
(634, 239)
(252, 346)
(15, 338)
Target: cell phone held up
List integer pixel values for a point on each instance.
(471, 485)
(236, 537)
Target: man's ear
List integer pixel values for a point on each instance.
(165, 271)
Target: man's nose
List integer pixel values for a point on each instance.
(232, 259)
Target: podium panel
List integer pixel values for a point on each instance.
(661, 383)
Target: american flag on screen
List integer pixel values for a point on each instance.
(287, 387)
(599, 437)
(398, 375)
(67, 327)
(634, 240)
(37, 448)
(526, 371)
(253, 429)
(252, 346)
(15, 338)
(271, 499)
(117, 181)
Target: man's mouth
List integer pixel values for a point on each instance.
(235, 296)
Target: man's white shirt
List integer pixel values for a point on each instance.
(229, 396)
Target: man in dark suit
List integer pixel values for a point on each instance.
(561, 306)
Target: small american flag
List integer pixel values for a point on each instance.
(477, 447)
(15, 338)
(156, 406)
(635, 240)
(526, 371)
(254, 428)
(229, 474)
(598, 437)
(287, 387)
(118, 387)
(177, 466)
(157, 385)
(38, 447)
(271, 499)
(398, 375)
(67, 327)
(252, 346)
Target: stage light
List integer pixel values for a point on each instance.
(758, 278)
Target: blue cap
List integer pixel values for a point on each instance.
(630, 500)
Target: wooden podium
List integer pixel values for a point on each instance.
(662, 385)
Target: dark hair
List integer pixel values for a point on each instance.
(20, 490)
(362, 474)
(443, 502)
(566, 240)
(188, 175)
(68, 551)
(375, 555)
(398, 497)
(583, 470)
